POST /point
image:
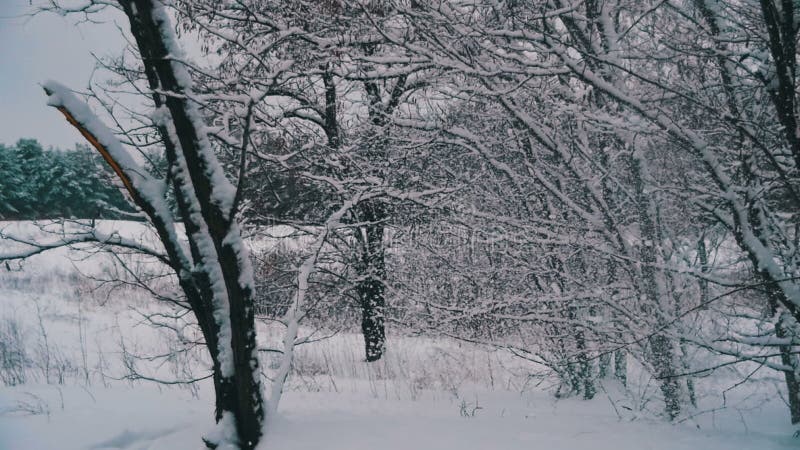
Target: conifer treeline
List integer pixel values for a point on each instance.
(38, 183)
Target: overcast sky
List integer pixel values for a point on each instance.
(36, 49)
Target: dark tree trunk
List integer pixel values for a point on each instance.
(790, 376)
(370, 288)
(583, 374)
(239, 392)
(788, 358)
(370, 264)
(687, 369)
(621, 367)
(662, 353)
(604, 366)
(663, 360)
(243, 390)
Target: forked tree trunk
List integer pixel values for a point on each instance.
(216, 279)
(238, 391)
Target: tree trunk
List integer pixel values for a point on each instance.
(604, 366)
(687, 368)
(370, 287)
(792, 377)
(583, 374)
(662, 354)
(621, 367)
(243, 391)
(220, 279)
(663, 360)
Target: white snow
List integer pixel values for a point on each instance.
(143, 418)
(425, 394)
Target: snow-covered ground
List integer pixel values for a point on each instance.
(144, 417)
(74, 391)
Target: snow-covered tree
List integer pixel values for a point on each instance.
(212, 267)
(331, 88)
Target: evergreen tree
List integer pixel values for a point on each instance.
(13, 200)
(46, 184)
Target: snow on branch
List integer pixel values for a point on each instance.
(30, 247)
(146, 192)
(139, 184)
(222, 191)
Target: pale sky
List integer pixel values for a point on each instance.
(35, 49)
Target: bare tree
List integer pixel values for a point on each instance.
(213, 269)
(334, 96)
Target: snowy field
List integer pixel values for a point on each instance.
(69, 346)
(143, 417)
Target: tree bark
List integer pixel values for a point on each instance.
(621, 367)
(239, 392)
(792, 376)
(370, 287)
(662, 353)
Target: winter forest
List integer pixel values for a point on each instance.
(410, 224)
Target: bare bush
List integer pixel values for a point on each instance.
(14, 361)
